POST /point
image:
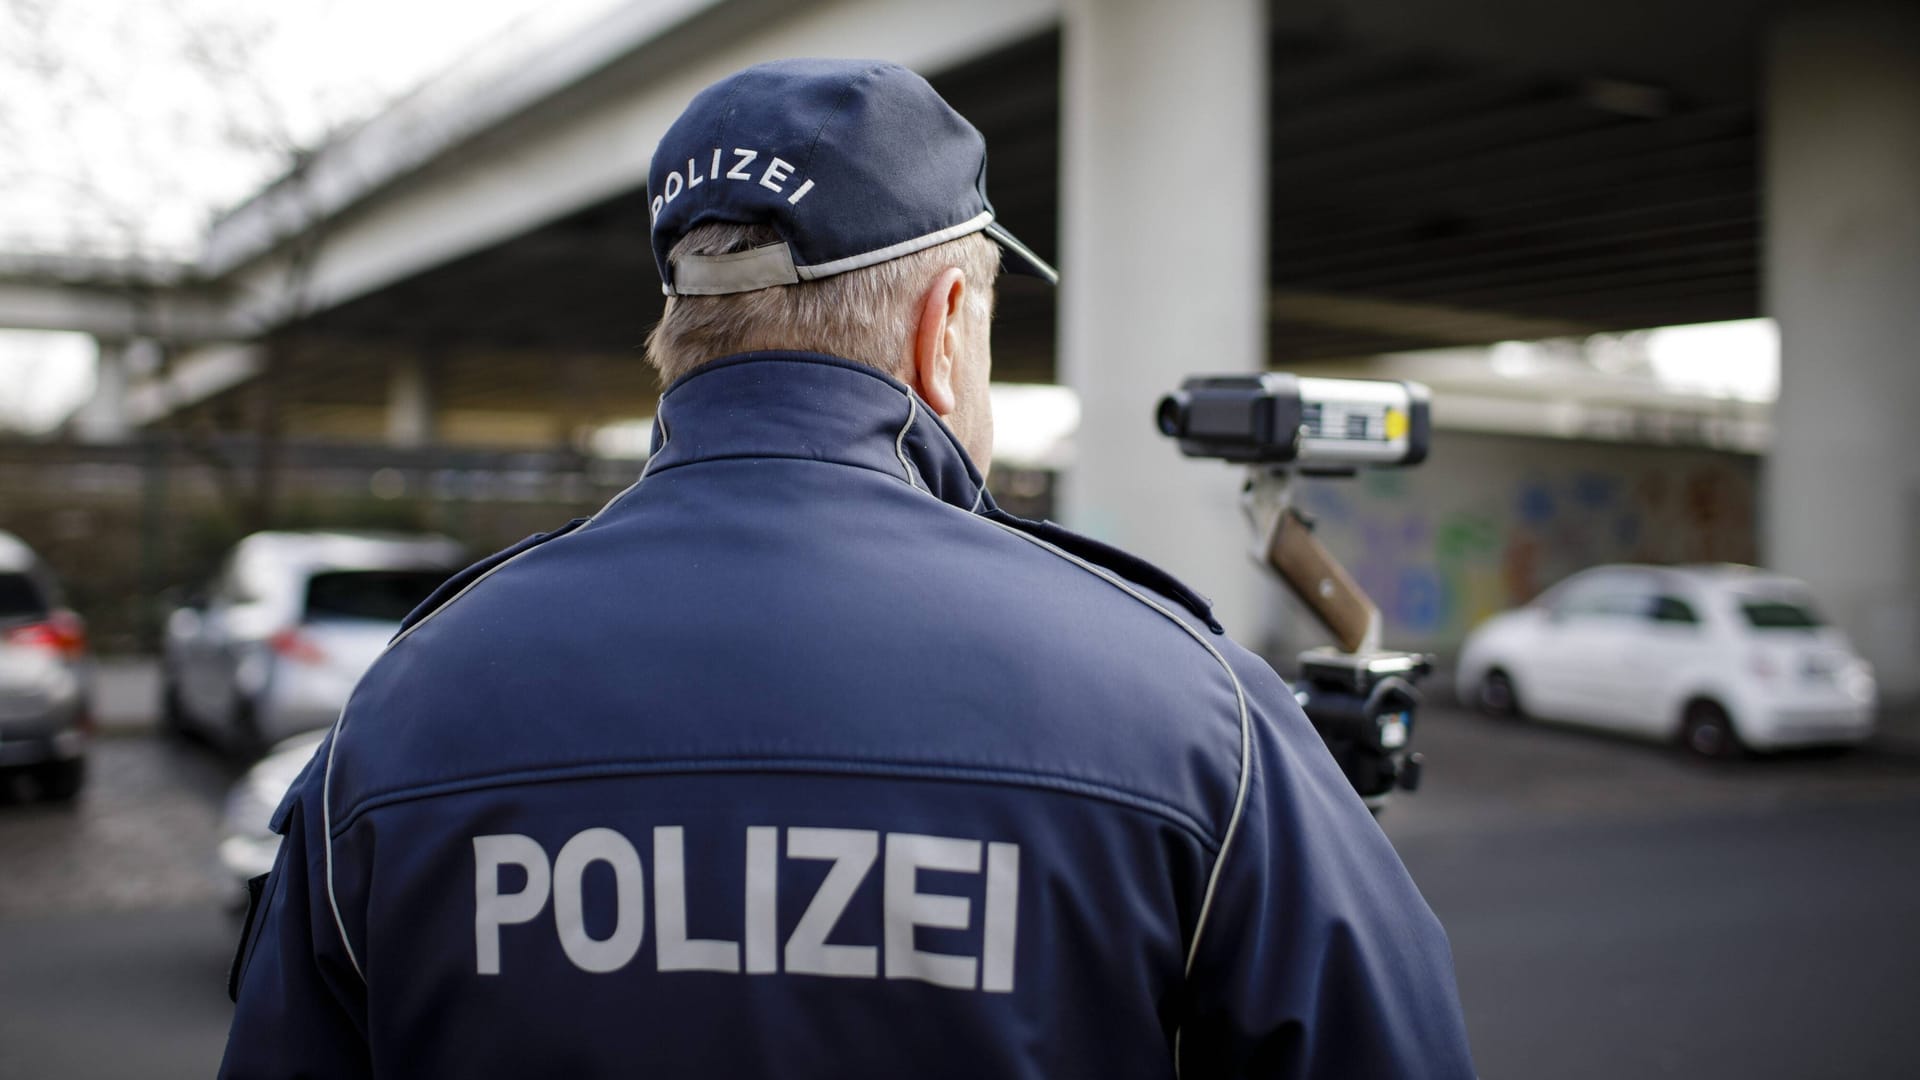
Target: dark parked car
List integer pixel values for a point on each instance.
(44, 722)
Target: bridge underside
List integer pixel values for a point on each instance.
(1420, 197)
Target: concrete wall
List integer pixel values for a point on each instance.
(1489, 521)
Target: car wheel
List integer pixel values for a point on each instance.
(244, 731)
(60, 781)
(173, 712)
(1497, 696)
(1707, 732)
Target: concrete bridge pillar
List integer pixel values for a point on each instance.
(1843, 279)
(1163, 209)
(105, 416)
(412, 412)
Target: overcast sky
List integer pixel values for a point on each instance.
(130, 123)
(127, 125)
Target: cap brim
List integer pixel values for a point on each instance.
(1018, 258)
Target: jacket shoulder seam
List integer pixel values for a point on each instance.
(881, 769)
(718, 459)
(340, 723)
(1240, 694)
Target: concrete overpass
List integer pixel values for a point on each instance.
(1227, 185)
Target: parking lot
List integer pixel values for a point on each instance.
(1615, 910)
(1618, 910)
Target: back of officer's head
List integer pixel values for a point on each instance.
(867, 315)
(831, 206)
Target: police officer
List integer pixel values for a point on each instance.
(801, 757)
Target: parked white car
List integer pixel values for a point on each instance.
(1721, 658)
(247, 845)
(289, 625)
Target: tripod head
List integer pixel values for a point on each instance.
(1361, 699)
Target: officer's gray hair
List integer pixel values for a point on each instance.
(866, 315)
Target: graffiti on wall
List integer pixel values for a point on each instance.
(1445, 546)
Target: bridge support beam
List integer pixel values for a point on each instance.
(107, 416)
(1843, 279)
(412, 412)
(1163, 208)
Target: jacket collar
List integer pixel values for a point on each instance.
(822, 408)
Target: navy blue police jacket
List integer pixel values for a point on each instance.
(800, 758)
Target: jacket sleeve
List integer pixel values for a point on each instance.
(1317, 956)
(300, 1007)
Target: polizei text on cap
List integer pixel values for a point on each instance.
(734, 165)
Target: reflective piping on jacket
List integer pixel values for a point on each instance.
(666, 436)
(326, 834)
(339, 725)
(900, 451)
(900, 440)
(451, 600)
(1246, 750)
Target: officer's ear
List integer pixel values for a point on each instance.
(939, 339)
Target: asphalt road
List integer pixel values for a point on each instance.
(113, 943)
(1615, 911)
(1619, 911)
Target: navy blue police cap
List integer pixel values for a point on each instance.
(852, 162)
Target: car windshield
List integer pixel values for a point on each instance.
(1672, 609)
(20, 598)
(1773, 613)
(387, 595)
(1610, 594)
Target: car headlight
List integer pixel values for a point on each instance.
(1857, 682)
